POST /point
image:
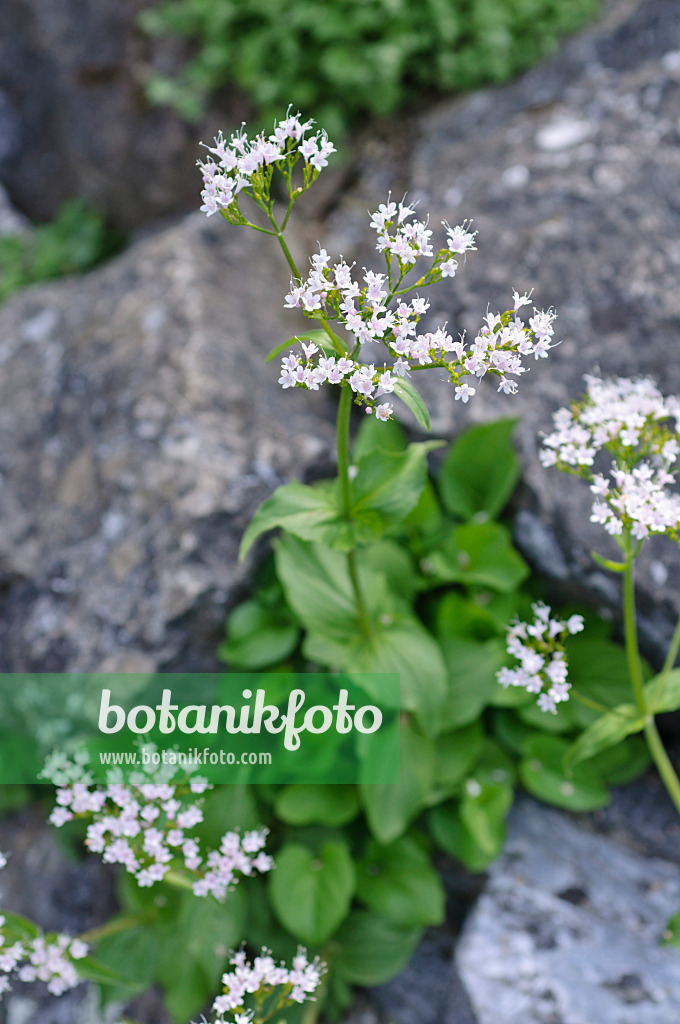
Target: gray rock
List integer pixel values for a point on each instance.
(60, 895)
(140, 429)
(568, 928)
(11, 221)
(74, 119)
(572, 176)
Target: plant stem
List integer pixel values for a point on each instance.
(344, 411)
(595, 705)
(179, 880)
(662, 762)
(112, 927)
(630, 629)
(656, 748)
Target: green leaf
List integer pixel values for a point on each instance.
(311, 513)
(390, 809)
(257, 636)
(373, 435)
(322, 805)
(607, 563)
(623, 763)
(396, 564)
(478, 553)
(311, 894)
(391, 483)
(19, 927)
(317, 587)
(483, 811)
(472, 667)
(404, 646)
(598, 669)
(132, 954)
(473, 830)
(93, 970)
(542, 773)
(319, 338)
(413, 401)
(606, 731)
(456, 753)
(397, 645)
(372, 949)
(480, 471)
(426, 523)
(399, 883)
(663, 692)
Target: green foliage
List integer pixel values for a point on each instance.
(350, 58)
(76, 240)
(480, 472)
(441, 579)
(310, 891)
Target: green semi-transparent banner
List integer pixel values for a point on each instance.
(222, 727)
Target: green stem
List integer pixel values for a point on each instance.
(630, 629)
(344, 410)
(595, 705)
(179, 880)
(112, 927)
(662, 762)
(342, 436)
(337, 343)
(656, 748)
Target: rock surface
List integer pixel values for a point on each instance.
(60, 895)
(140, 430)
(572, 176)
(567, 930)
(74, 119)
(141, 426)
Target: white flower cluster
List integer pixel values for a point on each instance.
(539, 648)
(364, 379)
(47, 958)
(376, 311)
(243, 163)
(261, 979)
(147, 828)
(630, 419)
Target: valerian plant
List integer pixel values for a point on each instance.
(622, 438)
(400, 566)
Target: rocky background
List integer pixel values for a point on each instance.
(140, 426)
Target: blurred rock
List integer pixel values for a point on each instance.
(572, 176)
(140, 430)
(568, 929)
(60, 895)
(74, 120)
(11, 221)
(143, 428)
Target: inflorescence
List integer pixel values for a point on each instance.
(374, 309)
(271, 986)
(639, 428)
(147, 828)
(539, 648)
